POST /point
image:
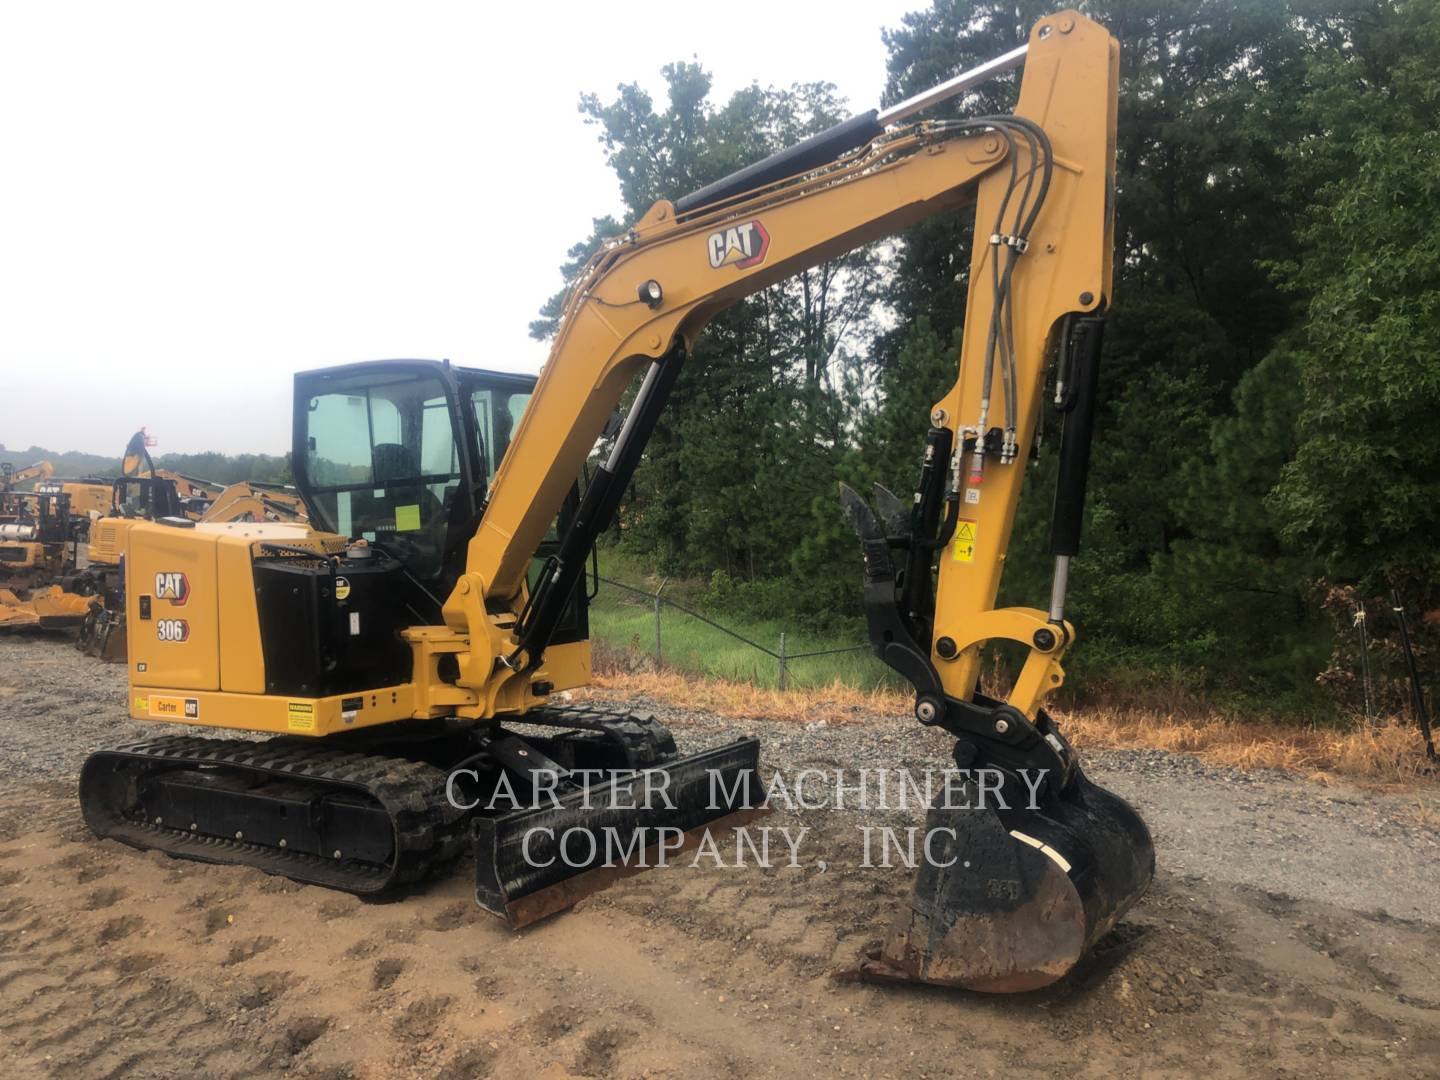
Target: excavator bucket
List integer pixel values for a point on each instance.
(50, 608)
(1009, 899)
(102, 635)
(536, 861)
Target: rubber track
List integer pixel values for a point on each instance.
(429, 831)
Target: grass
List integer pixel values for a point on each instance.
(701, 667)
(1387, 756)
(626, 623)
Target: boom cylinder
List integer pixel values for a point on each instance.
(847, 135)
(597, 508)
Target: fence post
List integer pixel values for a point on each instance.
(782, 661)
(658, 591)
(1365, 663)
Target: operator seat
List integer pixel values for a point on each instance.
(396, 475)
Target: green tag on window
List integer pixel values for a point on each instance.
(407, 518)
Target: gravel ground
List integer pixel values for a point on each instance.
(1265, 829)
(1291, 930)
(1270, 830)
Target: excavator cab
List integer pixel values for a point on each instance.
(146, 497)
(401, 454)
(385, 454)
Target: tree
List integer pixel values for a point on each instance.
(1364, 489)
(761, 412)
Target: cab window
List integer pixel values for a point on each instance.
(497, 414)
(383, 465)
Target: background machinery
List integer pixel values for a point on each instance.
(145, 493)
(37, 544)
(406, 647)
(251, 500)
(13, 479)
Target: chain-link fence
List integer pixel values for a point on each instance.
(659, 604)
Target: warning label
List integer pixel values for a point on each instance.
(963, 549)
(300, 715)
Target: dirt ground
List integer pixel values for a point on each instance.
(1311, 951)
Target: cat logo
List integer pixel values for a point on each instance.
(740, 246)
(172, 586)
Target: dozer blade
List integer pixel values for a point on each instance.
(1008, 900)
(57, 608)
(15, 613)
(534, 862)
(51, 608)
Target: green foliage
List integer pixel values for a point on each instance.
(230, 468)
(1270, 384)
(1363, 491)
(69, 463)
(760, 417)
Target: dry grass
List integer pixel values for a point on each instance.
(1389, 756)
(833, 704)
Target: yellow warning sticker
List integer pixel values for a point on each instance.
(964, 546)
(407, 518)
(300, 715)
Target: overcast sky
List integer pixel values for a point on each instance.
(201, 198)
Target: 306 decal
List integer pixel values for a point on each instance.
(175, 630)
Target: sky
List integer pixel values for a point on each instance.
(201, 198)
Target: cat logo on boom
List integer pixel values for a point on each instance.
(173, 586)
(739, 246)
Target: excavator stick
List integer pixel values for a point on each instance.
(536, 861)
(1008, 900)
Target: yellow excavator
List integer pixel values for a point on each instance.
(406, 647)
(91, 498)
(13, 479)
(252, 500)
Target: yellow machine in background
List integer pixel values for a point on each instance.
(13, 479)
(37, 545)
(396, 644)
(34, 535)
(90, 498)
(251, 500)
